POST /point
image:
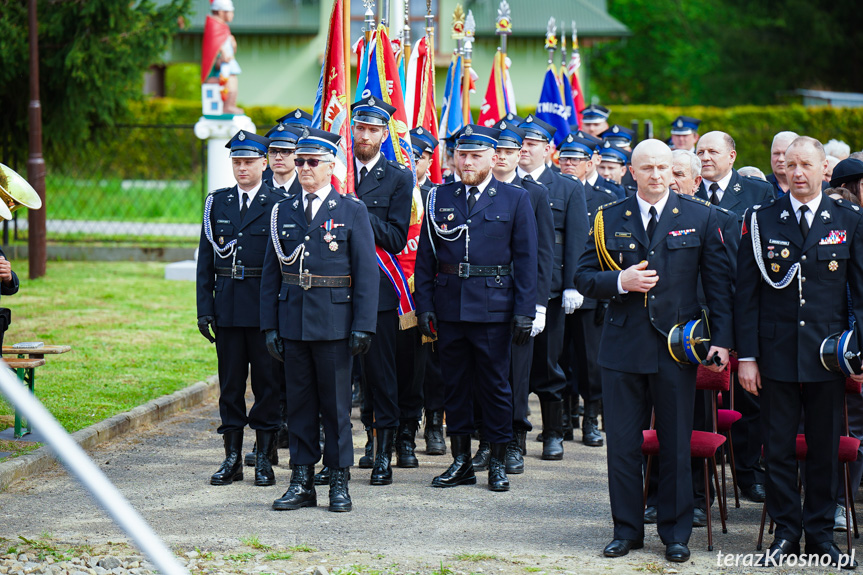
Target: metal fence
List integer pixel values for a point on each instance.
(145, 181)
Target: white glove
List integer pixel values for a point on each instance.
(538, 321)
(572, 300)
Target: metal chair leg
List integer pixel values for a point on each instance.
(707, 505)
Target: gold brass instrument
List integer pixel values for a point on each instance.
(15, 192)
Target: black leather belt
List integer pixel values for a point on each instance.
(558, 237)
(239, 272)
(466, 270)
(307, 281)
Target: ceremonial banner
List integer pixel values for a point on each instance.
(451, 118)
(420, 98)
(496, 103)
(575, 83)
(331, 102)
(551, 109)
(566, 97)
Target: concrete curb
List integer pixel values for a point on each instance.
(154, 411)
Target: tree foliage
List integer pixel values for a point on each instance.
(93, 54)
(729, 52)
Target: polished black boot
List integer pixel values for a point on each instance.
(367, 461)
(497, 479)
(461, 470)
(283, 436)
(266, 443)
(340, 498)
(232, 467)
(382, 473)
(514, 458)
(521, 438)
(435, 443)
(406, 445)
(590, 434)
(322, 477)
(480, 460)
(552, 432)
(301, 491)
(566, 419)
(251, 456)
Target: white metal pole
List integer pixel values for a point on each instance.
(79, 464)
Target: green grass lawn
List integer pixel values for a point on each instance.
(133, 335)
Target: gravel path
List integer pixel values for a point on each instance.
(555, 519)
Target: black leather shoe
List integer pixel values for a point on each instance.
(754, 492)
(322, 477)
(620, 547)
(521, 439)
(552, 430)
(699, 517)
(406, 445)
(778, 549)
(382, 473)
(250, 457)
(301, 491)
(340, 498)
(677, 552)
(650, 515)
(514, 458)
(461, 471)
(367, 461)
(829, 548)
(433, 434)
(590, 434)
(497, 479)
(483, 453)
(232, 467)
(264, 476)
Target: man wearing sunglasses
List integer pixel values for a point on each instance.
(234, 236)
(319, 297)
(386, 188)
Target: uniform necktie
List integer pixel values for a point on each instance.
(804, 223)
(363, 172)
(714, 194)
(244, 198)
(309, 199)
(651, 224)
(471, 199)
(528, 178)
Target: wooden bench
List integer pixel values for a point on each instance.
(25, 369)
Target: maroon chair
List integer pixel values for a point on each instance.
(848, 448)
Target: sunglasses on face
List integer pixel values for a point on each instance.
(300, 162)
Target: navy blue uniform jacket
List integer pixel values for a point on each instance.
(741, 193)
(771, 324)
(387, 192)
(544, 237)
(502, 232)
(687, 242)
(234, 302)
(321, 313)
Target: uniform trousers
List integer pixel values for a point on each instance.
(236, 349)
(519, 378)
(381, 396)
(746, 435)
(318, 381)
(581, 350)
(410, 373)
(433, 391)
(781, 403)
(627, 400)
(475, 361)
(855, 428)
(547, 380)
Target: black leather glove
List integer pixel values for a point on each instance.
(427, 322)
(274, 344)
(521, 326)
(205, 322)
(360, 342)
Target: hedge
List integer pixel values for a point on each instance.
(751, 127)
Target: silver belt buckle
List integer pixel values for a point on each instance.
(305, 280)
(463, 270)
(238, 272)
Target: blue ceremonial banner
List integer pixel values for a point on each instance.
(567, 101)
(451, 118)
(551, 109)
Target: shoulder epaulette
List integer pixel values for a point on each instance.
(395, 164)
(757, 207)
(848, 205)
(214, 192)
(603, 206)
(695, 199)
